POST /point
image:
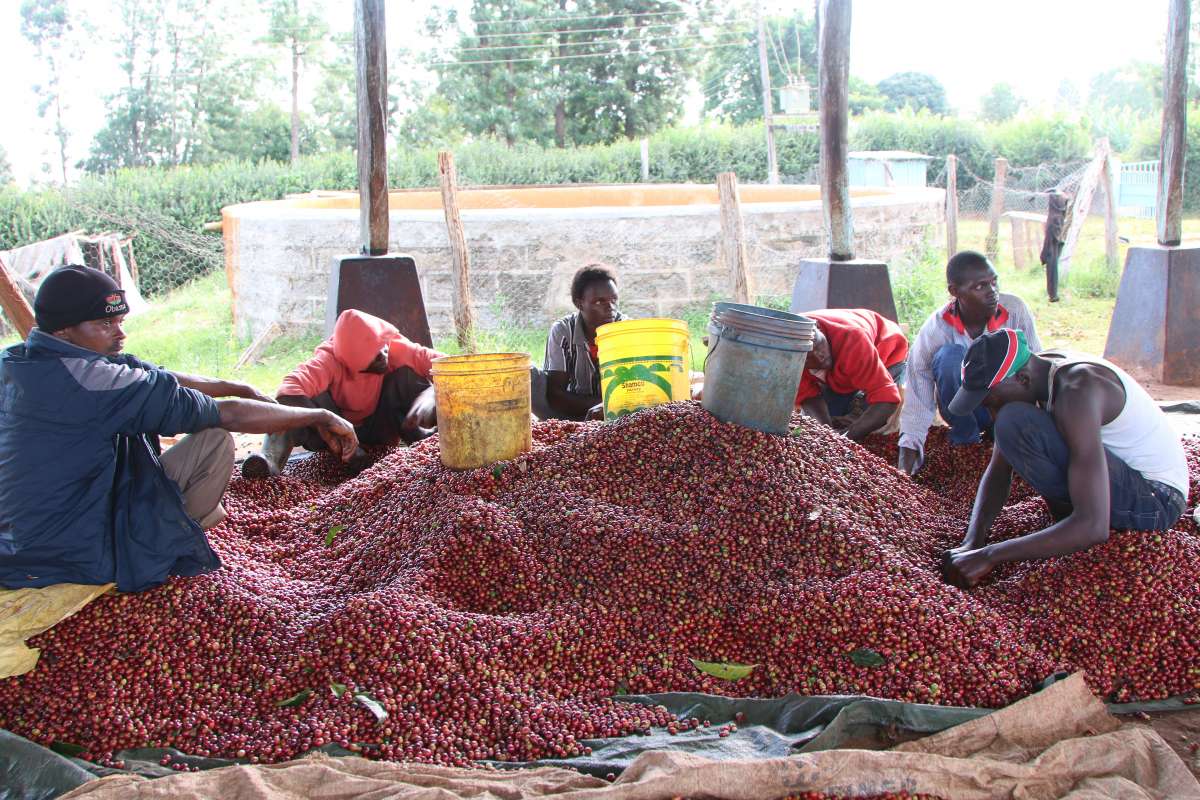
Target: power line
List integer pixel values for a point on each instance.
(780, 54)
(558, 32)
(548, 59)
(659, 38)
(573, 17)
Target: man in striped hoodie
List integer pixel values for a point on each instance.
(936, 356)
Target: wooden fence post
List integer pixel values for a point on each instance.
(1081, 206)
(997, 209)
(460, 270)
(13, 302)
(645, 160)
(733, 237)
(951, 205)
(1020, 243)
(1111, 253)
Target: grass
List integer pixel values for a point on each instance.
(191, 329)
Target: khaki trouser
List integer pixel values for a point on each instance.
(201, 465)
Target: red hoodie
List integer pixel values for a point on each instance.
(863, 345)
(339, 361)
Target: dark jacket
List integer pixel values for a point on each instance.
(83, 498)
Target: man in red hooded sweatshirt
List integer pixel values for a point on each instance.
(856, 352)
(366, 372)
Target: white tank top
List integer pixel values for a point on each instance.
(1140, 435)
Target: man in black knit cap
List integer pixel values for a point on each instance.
(84, 495)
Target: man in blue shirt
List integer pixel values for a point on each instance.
(84, 495)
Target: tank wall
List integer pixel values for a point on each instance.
(522, 260)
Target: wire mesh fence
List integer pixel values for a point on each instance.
(168, 253)
(161, 253)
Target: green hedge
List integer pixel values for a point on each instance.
(1025, 142)
(168, 207)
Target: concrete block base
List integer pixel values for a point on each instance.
(385, 286)
(822, 283)
(1155, 330)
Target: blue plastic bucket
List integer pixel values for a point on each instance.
(755, 357)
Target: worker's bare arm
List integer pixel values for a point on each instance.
(252, 416)
(215, 387)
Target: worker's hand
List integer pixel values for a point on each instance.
(338, 434)
(250, 393)
(842, 423)
(422, 413)
(595, 413)
(969, 543)
(965, 569)
(910, 461)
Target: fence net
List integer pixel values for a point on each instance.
(1020, 206)
(168, 253)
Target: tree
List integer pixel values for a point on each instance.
(185, 91)
(914, 90)
(646, 50)
(1136, 85)
(134, 111)
(301, 32)
(6, 173)
(532, 70)
(261, 134)
(1000, 104)
(497, 78)
(47, 26)
(1066, 99)
(864, 96)
(732, 78)
(335, 103)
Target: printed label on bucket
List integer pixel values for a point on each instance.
(630, 384)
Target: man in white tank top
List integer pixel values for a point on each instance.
(1079, 430)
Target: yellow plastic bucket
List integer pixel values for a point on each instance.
(643, 362)
(482, 408)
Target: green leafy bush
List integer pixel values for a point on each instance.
(1145, 148)
(931, 135)
(1041, 140)
(164, 205)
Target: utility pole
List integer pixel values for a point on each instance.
(765, 72)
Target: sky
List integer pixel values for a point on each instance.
(968, 45)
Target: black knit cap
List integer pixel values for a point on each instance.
(73, 294)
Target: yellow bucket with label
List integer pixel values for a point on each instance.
(482, 408)
(643, 362)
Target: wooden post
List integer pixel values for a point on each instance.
(1173, 147)
(370, 46)
(1081, 206)
(645, 160)
(765, 75)
(460, 272)
(834, 59)
(1019, 243)
(951, 206)
(997, 209)
(733, 237)
(13, 302)
(1111, 253)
